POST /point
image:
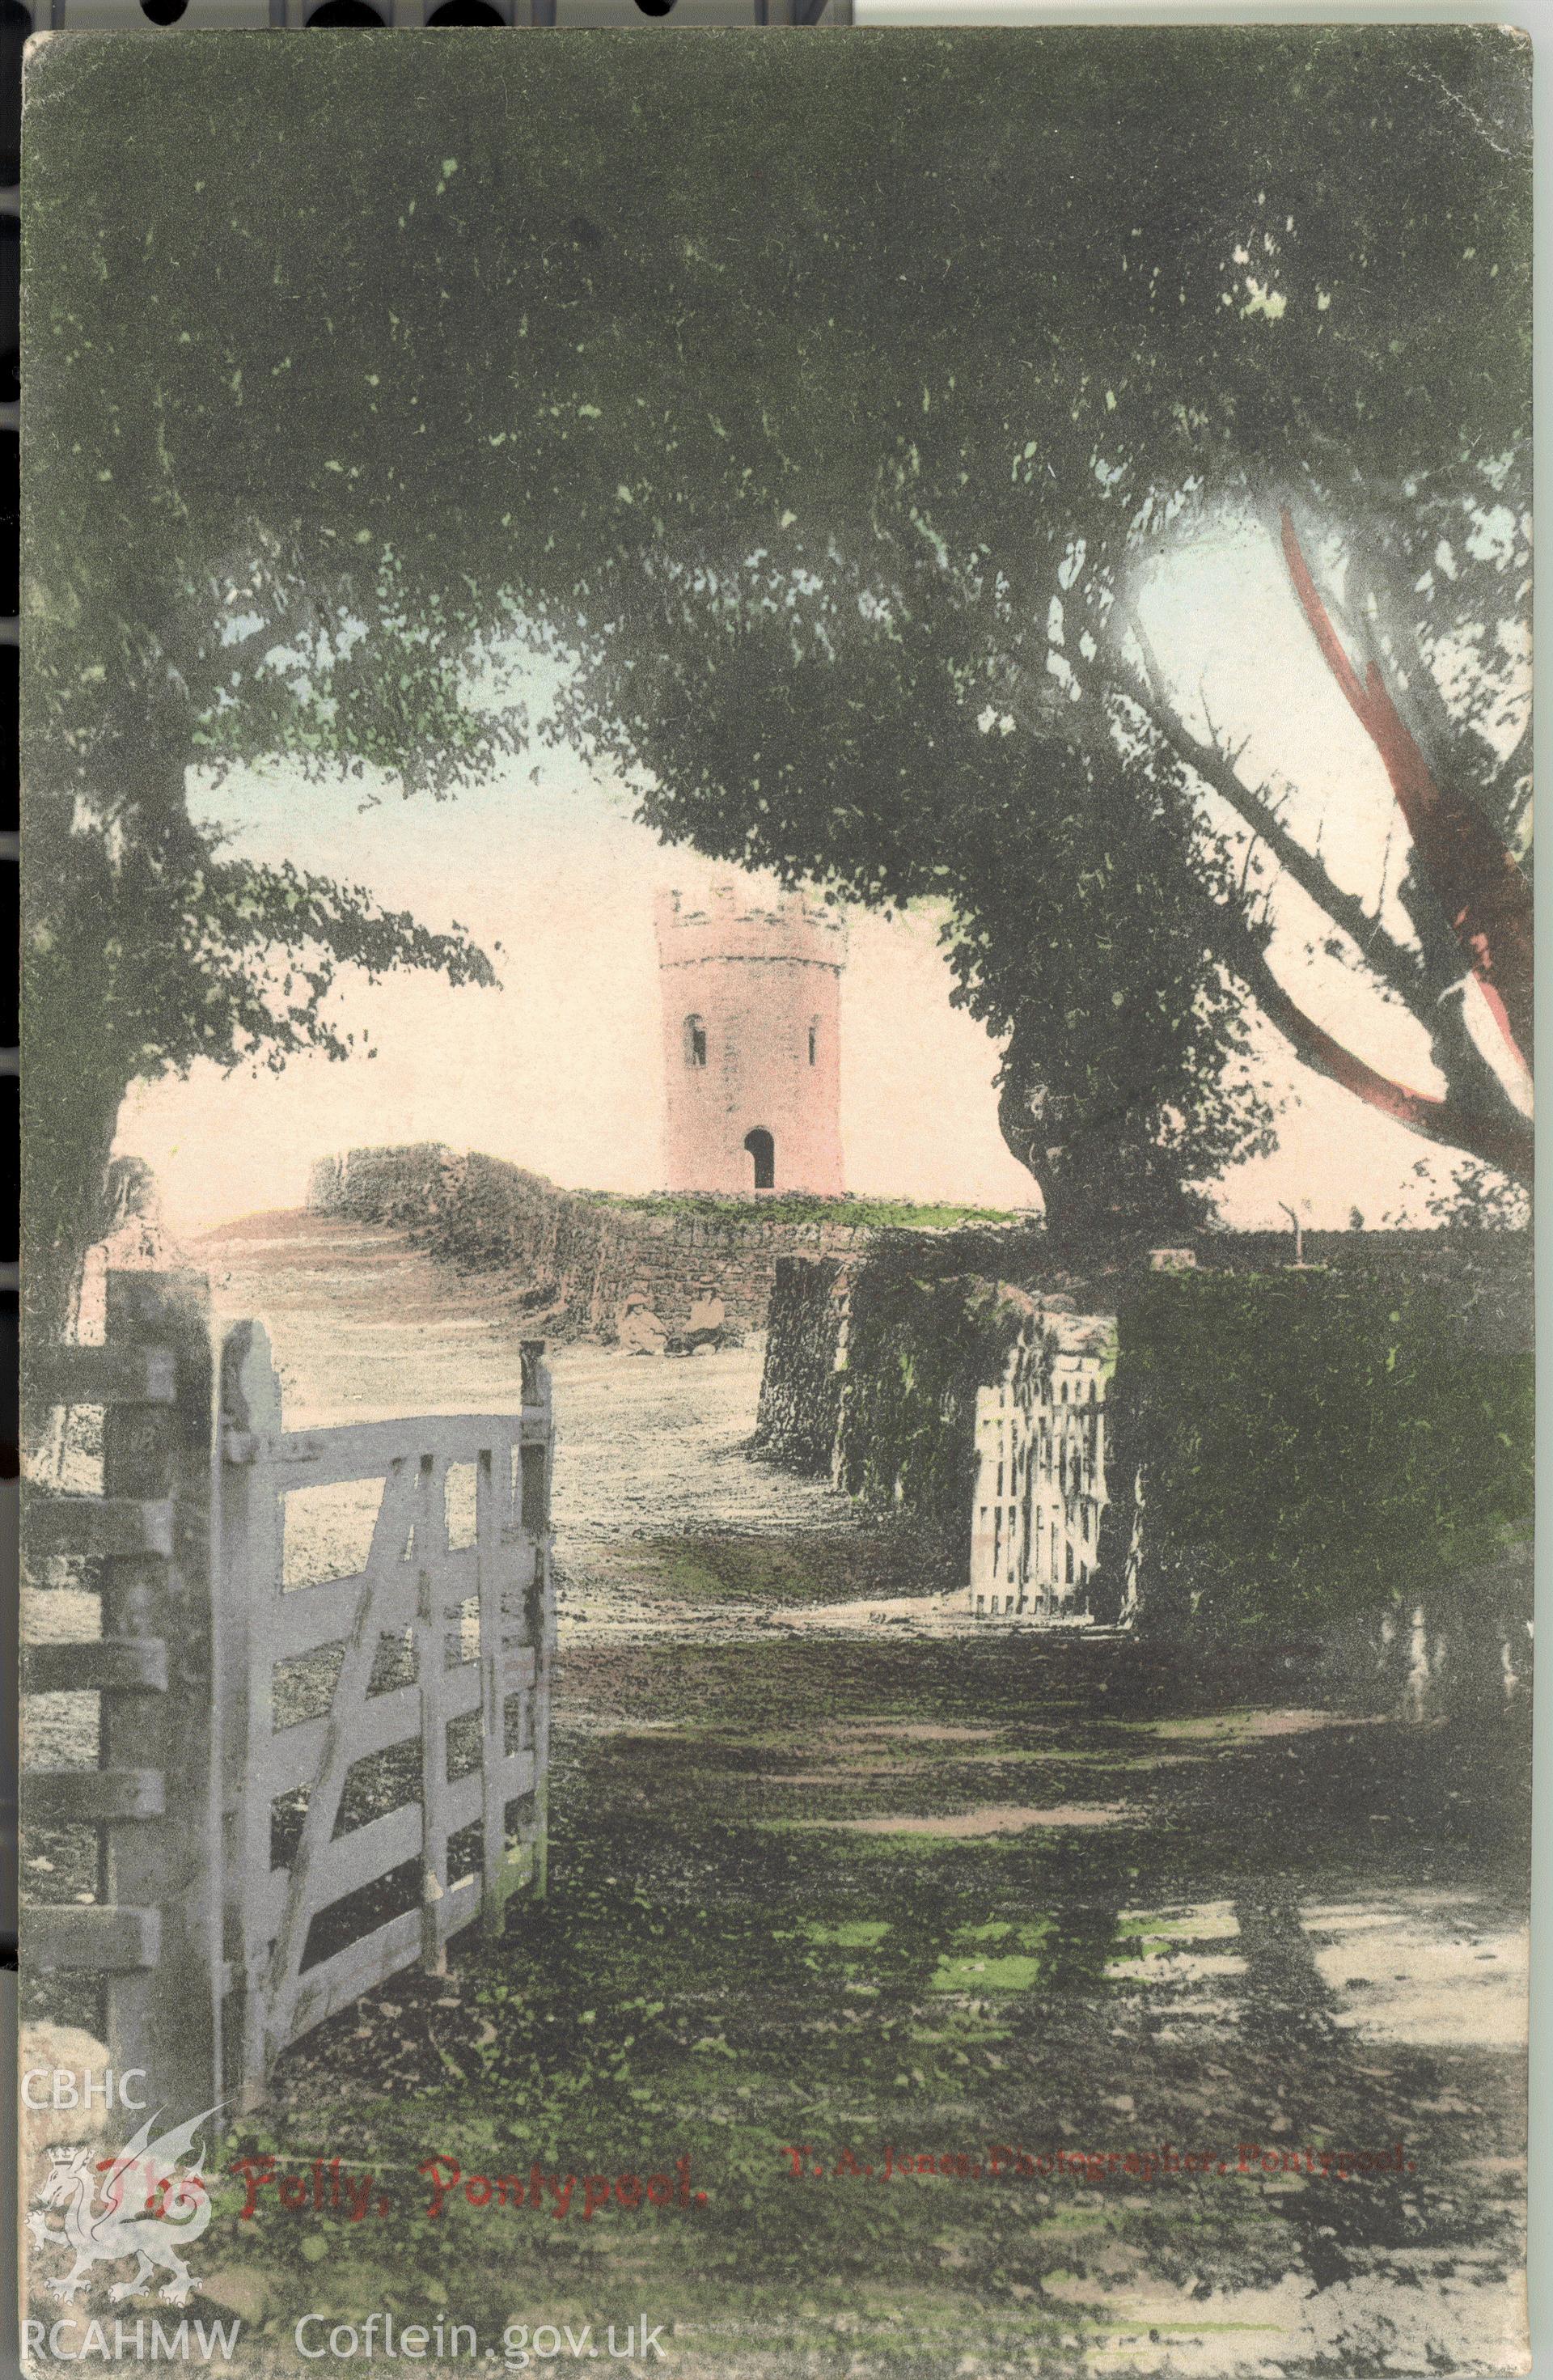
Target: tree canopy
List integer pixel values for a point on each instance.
(805, 413)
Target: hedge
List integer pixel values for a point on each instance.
(1314, 1445)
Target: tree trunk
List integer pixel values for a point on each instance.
(70, 1117)
(89, 981)
(1092, 1185)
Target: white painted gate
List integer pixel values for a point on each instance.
(470, 1621)
(310, 1775)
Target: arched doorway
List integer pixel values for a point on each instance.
(762, 1149)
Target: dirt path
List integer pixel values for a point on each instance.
(965, 1900)
(978, 1898)
(649, 1450)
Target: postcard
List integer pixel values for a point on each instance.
(777, 1267)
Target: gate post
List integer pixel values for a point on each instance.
(155, 1931)
(169, 2018)
(248, 1571)
(538, 1480)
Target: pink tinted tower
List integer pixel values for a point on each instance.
(751, 1030)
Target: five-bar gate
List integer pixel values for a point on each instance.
(311, 1773)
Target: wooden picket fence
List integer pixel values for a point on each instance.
(279, 1829)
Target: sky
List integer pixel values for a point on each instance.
(558, 1069)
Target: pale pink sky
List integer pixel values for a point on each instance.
(558, 1069)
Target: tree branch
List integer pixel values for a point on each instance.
(1474, 878)
(1505, 1143)
(262, 640)
(1381, 952)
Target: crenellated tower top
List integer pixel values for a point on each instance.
(730, 922)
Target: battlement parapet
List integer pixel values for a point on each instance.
(731, 925)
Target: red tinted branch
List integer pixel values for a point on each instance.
(1472, 875)
(1503, 1142)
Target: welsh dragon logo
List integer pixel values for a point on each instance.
(149, 2208)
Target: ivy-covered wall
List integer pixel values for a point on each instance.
(871, 1376)
(1316, 1446)
(917, 1351)
(801, 1379)
(1323, 1448)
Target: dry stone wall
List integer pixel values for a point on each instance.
(800, 1386)
(577, 1256)
(876, 1369)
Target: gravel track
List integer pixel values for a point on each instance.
(366, 1326)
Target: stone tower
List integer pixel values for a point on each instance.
(751, 1024)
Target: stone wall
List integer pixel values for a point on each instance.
(1485, 1275)
(479, 1217)
(957, 1399)
(867, 1373)
(813, 1308)
(801, 1383)
(578, 1255)
(874, 1373)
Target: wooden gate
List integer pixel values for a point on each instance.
(318, 1761)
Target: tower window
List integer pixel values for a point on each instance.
(695, 1041)
(762, 1149)
(813, 1041)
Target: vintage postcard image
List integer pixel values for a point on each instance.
(778, 1399)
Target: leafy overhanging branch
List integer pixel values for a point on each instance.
(194, 954)
(615, 394)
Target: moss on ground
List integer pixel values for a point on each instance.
(721, 1566)
(796, 1207)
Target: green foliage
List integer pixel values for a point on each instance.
(1309, 1452)
(1480, 1201)
(148, 951)
(799, 432)
(194, 954)
(917, 1352)
(797, 1206)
